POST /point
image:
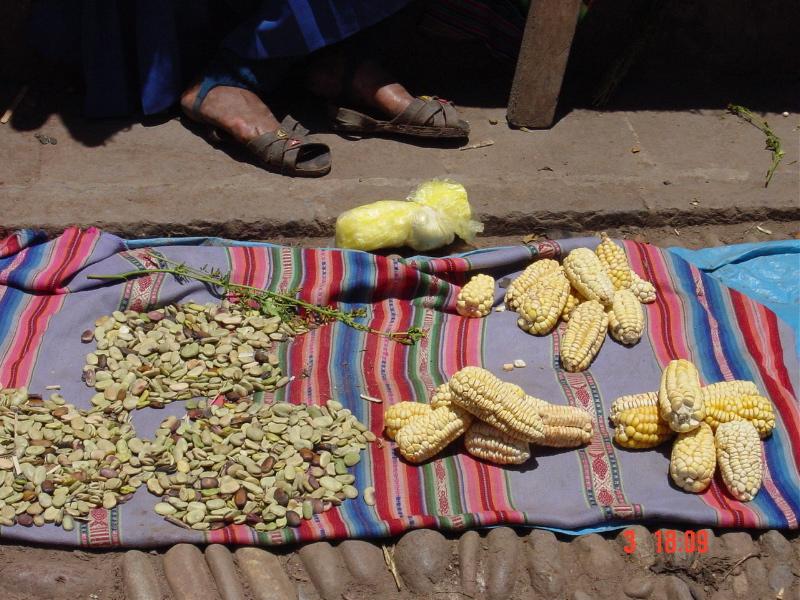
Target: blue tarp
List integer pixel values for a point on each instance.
(768, 272)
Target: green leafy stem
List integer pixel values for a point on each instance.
(284, 305)
(773, 143)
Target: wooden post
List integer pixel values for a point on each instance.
(542, 61)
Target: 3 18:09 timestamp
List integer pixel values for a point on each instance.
(670, 541)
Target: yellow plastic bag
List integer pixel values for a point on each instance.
(431, 217)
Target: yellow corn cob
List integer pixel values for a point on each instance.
(501, 405)
(476, 298)
(739, 454)
(543, 303)
(584, 335)
(587, 275)
(626, 318)
(632, 401)
(401, 414)
(738, 400)
(640, 427)
(429, 434)
(643, 290)
(443, 396)
(573, 300)
(694, 459)
(516, 290)
(487, 443)
(615, 262)
(680, 398)
(564, 426)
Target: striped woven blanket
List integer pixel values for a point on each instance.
(46, 301)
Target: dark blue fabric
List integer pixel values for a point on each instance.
(137, 55)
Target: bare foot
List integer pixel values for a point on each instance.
(372, 86)
(237, 111)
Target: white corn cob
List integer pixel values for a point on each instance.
(572, 302)
(564, 426)
(626, 318)
(543, 303)
(643, 290)
(615, 262)
(488, 443)
(739, 454)
(633, 401)
(532, 273)
(476, 298)
(501, 405)
(738, 400)
(694, 459)
(587, 275)
(680, 397)
(427, 435)
(583, 336)
(401, 414)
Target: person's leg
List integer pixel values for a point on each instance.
(227, 95)
(226, 98)
(333, 75)
(237, 111)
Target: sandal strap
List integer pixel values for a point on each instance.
(425, 110)
(280, 148)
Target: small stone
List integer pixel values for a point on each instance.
(139, 578)
(545, 566)
(326, 569)
(223, 568)
(183, 559)
(264, 574)
(469, 546)
(508, 366)
(503, 560)
(738, 544)
(756, 573)
(422, 557)
(519, 363)
(740, 585)
(775, 545)
(639, 538)
(365, 562)
(598, 556)
(676, 589)
(780, 577)
(639, 587)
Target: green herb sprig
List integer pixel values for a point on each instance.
(773, 142)
(285, 305)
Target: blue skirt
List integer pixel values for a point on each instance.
(138, 55)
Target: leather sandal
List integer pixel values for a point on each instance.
(426, 116)
(289, 150)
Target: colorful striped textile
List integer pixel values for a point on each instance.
(46, 301)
